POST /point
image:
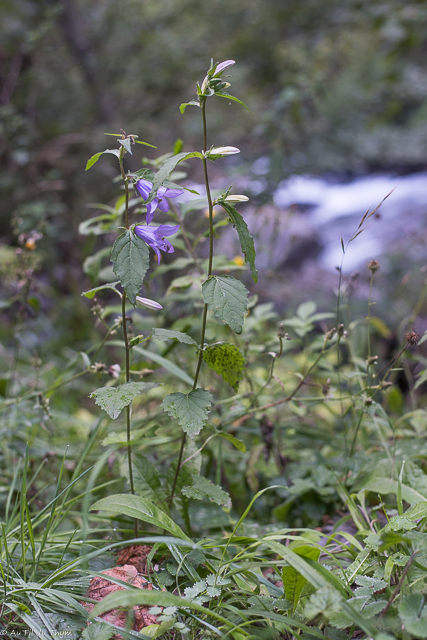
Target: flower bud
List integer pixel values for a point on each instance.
(231, 199)
(222, 66)
(204, 85)
(146, 302)
(114, 370)
(223, 151)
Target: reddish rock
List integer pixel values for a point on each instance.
(136, 555)
(100, 588)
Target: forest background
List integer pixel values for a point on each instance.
(337, 87)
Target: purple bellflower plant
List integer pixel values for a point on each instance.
(155, 237)
(144, 187)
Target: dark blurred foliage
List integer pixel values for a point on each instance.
(335, 86)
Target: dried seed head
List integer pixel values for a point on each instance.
(340, 330)
(412, 338)
(330, 334)
(326, 387)
(373, 266)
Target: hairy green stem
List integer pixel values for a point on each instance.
(205, 310)
(126, 341)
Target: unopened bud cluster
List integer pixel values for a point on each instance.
(213, 83)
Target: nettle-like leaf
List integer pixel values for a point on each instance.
(114, 399)
(131, 258)
(195, 590)
(167, 334)
(246, 240)
(228, 299)
(202, 487)
(227, 361)
(190, 409)
(293, 580)
(325, 601)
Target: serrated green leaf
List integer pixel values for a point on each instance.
(140, 508)
(183, 106)
(293, 581)
(202, 487)
(228, 362)
(228, 299)
(92, 292)
(114, 399)
(167, 334)
(246, 240)
(190, 409)
(97, 631)
(95, 158)
(131, 258)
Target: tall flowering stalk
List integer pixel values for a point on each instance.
(223, 295)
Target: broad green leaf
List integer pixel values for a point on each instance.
(227, 361)
(114, 399)
(325, 601)
(96, 157)
(386, 485)
(131, 258)
(246, 240)
(183, 106)
(140, 508)
(167, 168)
(306, 309)
(146, 481)
(293, 581)
(202, 487)
(413, 613)
(110, 285)
(167, 334)
(190, 409)
(228, 299)
(97, 631)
